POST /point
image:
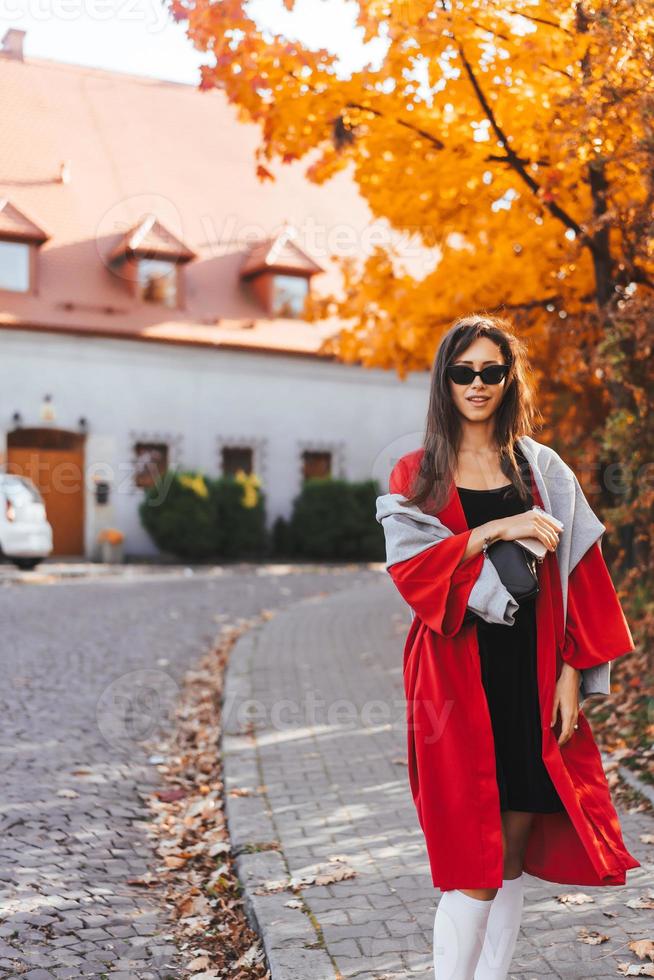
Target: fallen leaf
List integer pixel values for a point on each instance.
(251, 956)
(274, 886)
(173, 861)
(339, 874)
(171, 795)
(575, 898)
(636, 969)
(199, 963)
(642, 948)
(643, 902)
(146, 881)
(193, 905)
(592, 938)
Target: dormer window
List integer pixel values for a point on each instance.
(157, 281)
(19, 240)
(289, 295)
(278, 274)
(150, 258)
(15, 266)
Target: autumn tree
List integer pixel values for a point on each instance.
(517, 136)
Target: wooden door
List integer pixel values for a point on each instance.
(56, 467)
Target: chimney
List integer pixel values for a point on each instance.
(12, 43)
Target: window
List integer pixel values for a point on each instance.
(150, 464)
(236, 458)
(15, 266)
(157, 281)
(289, 293)
(316, 464)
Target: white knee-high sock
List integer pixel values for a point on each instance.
(501, 931)
(459, 928)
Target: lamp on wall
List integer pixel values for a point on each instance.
(83, 424)
(17, 419)
(47, 412)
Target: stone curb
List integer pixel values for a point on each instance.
(85, 570)
(293, 946)
(632, 779)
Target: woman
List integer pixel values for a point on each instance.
(504, 771)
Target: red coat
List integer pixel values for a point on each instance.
(451, 752)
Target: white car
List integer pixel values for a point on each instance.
(25, 534)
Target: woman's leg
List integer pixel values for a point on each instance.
(503, 923)
(459, 928)
(516, 827)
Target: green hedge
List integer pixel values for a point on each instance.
(195, 517)
(334, 520)
(241, 531)
(178, 518)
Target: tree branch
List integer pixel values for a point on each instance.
(504, 159)
(539, 20)
(512, 157)
(434, 140)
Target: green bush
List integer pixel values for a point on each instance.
(334, 520)
(195, 517)
(281, 538)
(372, 543)
(177, 515)
(241, 531)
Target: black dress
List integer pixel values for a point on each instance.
(508, 667)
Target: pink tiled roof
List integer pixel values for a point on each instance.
(87, 154)
(272, 336)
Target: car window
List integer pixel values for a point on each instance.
(20, 490)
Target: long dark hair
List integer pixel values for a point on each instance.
(516, 414)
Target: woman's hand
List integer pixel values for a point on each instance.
(530, 524)
(566, 700)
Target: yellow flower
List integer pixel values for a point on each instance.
(196, 484)
(250, 483)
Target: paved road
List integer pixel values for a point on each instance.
(324, 683)
(89, 670)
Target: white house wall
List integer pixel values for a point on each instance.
(196, 399)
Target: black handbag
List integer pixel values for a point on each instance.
(517, 567)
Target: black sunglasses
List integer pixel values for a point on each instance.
(492, 374)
